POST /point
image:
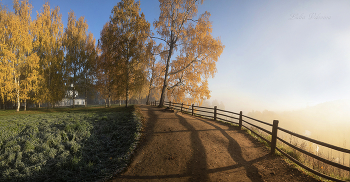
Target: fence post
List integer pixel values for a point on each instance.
(215, 113)
(182, 104)
(192, 109)
(274, 136)
(240, 120)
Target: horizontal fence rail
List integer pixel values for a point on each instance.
(258, 120)
(203, 107)
(315, 156)
(269, 132)
(316, 141)
(308, 168)
(218, 114)
(221, 119)
(226, 116)
(228, 111)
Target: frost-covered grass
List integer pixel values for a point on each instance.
(67, 144)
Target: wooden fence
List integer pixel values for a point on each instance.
(242, 123)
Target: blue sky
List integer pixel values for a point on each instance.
(279, 55)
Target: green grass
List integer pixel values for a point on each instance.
(80, 144)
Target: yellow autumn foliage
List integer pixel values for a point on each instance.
(186, 76)
(17, 53)
(48, 41)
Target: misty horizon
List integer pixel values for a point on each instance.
(312, 121)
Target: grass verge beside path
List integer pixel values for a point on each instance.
(80, 144)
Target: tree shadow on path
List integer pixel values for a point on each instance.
(235, 151)
(148, 131)
(197, 166)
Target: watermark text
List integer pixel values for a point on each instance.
(311, 16)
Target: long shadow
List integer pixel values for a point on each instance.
(197, 166)
(146, 137)
(235, 152)
(148, 131)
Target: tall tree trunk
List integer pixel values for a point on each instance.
(120, 101)
(109, 100)
(25, 104)
(147, 100)
(85, 98)
(73, 99)
(3, 103)
(149, 90)
(18, 102)
(73, 96)
(85, 93)
(162, 97)
(74, 88)
(139, 99)
(105, 102)
(165, 84)
(49, 86)
(126, 94)
(127, 82)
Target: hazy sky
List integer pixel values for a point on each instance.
(279, 55)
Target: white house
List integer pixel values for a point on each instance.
(68, 101)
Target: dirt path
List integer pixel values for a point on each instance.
(180, 147)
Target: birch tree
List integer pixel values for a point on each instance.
(155, 71)
(18, 52)
(129, 31)
(197, 51)
(106, 69)
(49, 37)
(74, 43)
(6, 81)
(88, 71)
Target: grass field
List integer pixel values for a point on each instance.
(81, 144)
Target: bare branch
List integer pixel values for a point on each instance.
(192, 20)
(179, 83)
(161, 52)
(180, 44)
(160, 39)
